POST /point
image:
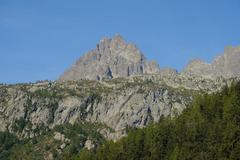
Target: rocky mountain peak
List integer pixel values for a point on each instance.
(115, 43)
(226, 65)
(112, 57)
(118, 46)
(118, 40)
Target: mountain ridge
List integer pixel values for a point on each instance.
(226, 65)
(107, 97)
(113, 58)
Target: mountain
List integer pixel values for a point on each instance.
(57, 120)
(111, 58)
(107, 92)
(206, 130)
(117, 103)
(226, 65)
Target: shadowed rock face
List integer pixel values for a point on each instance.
(226, 65)
(110, 59)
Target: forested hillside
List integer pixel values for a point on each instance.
(209, 129)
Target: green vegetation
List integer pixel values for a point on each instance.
(209, 129)
(7, 140)
(19, 125)
(78, 134)
(45, 144)
(52, 106)
(4, 96)
(51, 92)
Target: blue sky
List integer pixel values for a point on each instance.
(40, 39)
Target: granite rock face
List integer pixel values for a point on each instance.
(111, 58)
(29, 109)
(226, 65)
(117, 104)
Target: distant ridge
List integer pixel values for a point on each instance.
(226, 65)
(113, 58)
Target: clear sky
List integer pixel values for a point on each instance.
(39, 39)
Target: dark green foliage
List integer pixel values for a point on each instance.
(84, 129)
(46, 93)
(52, 106)
(19, 125)
(7, 140)
(209, 129)
(40, 146)
(3, 96)
(78, 134)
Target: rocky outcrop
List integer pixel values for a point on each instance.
(89, 144)
(226, 65)
(112, 58)
(30, 109)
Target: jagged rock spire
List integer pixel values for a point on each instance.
(111, 58)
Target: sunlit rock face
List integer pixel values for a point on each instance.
(113, 85)
(114, 58)
(30, 109)
(226, 65)
(111, 58)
